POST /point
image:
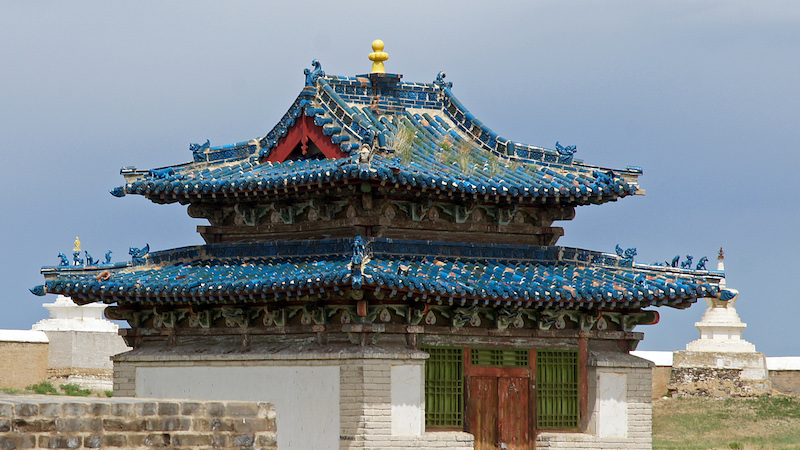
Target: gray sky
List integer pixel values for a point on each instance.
(703, 95)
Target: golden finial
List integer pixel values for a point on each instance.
(378, 56)
(77, 247)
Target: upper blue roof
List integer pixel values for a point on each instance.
(531, 276)
(419, 136)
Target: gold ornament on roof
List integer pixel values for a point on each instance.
(77, 247)
(378, 56)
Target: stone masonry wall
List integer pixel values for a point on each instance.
(37, 421)
(716, 383)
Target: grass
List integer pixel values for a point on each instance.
(43, 388)
(75, 390)
(402, 142)
(47, 388)
(464, 158)
(737, 423)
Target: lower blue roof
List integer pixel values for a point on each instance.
(530, 276)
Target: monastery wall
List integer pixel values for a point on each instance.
(784, 376)
(784, 373)
(23, 358)
(38, 421)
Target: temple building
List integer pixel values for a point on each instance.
(383, 267)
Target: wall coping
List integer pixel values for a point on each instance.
(616, 359)
(19, 399)
(783, 363)
(660, 358)
(31, 336)
(664, 358)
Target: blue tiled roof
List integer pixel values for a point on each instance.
(447, 148)
(532, 276)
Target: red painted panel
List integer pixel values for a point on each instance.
(482, 371)
(302, 131)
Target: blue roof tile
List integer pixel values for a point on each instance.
(525, 275)
(448, 149)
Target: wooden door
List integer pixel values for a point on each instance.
(514, 412)
(500, 407)
(482, 408)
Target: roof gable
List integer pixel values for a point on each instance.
(305, 140)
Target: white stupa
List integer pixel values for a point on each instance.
(82, 342)
(721, 328)
(721, 345)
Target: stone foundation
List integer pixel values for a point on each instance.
(719, 374)
(38, 421)
(98, 380)
(716, 383)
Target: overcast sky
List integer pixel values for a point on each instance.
(703, 95)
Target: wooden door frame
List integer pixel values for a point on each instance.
(511, 372)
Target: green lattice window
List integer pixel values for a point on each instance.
(557, 389)
(499, 357)
(444, 387)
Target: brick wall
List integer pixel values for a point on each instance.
(35, 421)
(638, 410)
(366, 411)
(124, 379)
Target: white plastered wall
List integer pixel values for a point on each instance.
(612, 407)
(408, 408)
(306, 398)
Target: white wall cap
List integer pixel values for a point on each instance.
(783, 363)
(660, 358)
(23, 336)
